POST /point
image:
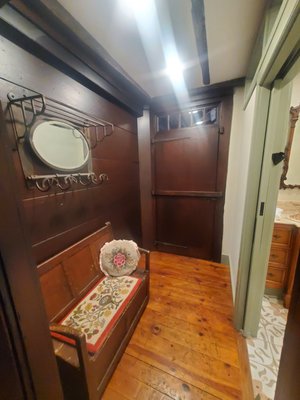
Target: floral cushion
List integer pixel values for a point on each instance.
(99, 310)
(119, 257)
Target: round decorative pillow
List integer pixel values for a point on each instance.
(119, 257)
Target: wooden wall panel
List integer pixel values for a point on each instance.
(183, 164)
(22, 68)
(57, 219)
(54, 298)
(176, 233)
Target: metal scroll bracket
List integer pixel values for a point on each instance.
(65, 181)
(35, 105)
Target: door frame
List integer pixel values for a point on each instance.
(276, 136)
(278, 53)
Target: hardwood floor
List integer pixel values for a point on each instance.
(185, 346)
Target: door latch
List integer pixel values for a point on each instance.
(262, 209)
(278, 157)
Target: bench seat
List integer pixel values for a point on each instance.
(72, 284)
(99, 310)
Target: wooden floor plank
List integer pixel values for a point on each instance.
(185, 346)
(111, 394)
(203, 298)
(193, 313)
(201, 327)
(196, 271)
(177, 331)
(161, 381)
(193, 288)
(134, 388)
(206, 373)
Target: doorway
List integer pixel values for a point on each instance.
(265, 350)
(190, 153)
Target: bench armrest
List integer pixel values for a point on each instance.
(147, 254)
(77, 337)
(68, 332)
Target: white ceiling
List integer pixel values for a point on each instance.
(140, 47)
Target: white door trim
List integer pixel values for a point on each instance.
(276, 135)
(283, 43)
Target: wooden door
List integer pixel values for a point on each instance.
(288, 385)
(190, 164)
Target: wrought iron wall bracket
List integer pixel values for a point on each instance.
(64, 181)
(35, 104)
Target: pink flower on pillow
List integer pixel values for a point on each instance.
(119, 260)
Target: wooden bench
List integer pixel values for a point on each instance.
(65, 280)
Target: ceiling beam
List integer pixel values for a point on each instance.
(198, 15)
(201, 95)
(66, 46)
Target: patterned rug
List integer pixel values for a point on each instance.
(99, 310)
(265, 350)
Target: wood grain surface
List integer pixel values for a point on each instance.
(58, 219)
(185, 346)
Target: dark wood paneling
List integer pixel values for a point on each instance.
(69, 48)
(79, 277)
(224, 138)
(25, 69)
(187, 225)
(55, 298)
(185, 164)
(121, 145)
(188, 193)
(57, 219)
(190, 165)
(24, 288)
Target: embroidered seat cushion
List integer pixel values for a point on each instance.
(100, 309)
(119, 257)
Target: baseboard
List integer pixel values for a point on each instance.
(225, 259)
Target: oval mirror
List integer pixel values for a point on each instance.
(59, 145)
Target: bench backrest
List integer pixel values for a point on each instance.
(69, 275)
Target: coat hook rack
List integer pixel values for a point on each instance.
(39, 105)
(64, 181)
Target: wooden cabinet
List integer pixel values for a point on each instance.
(280, 255)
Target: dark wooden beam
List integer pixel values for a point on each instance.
(198, 15)
(60, 46)
(197, 96)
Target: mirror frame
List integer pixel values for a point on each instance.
(43, 160)
(294, 115)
